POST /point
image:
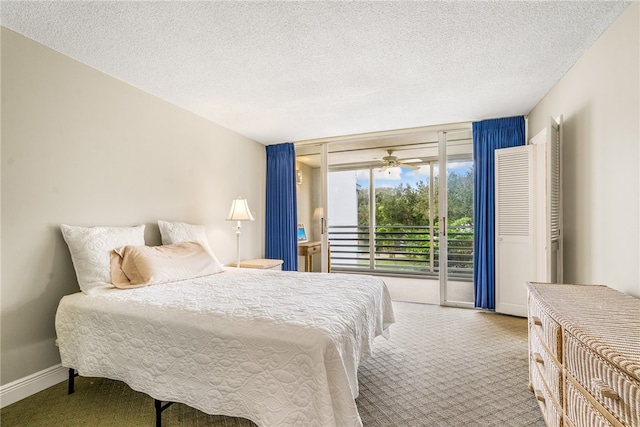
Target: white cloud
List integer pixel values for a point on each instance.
(362, 174)
(419, 173)
(459, 166)
(391, 174)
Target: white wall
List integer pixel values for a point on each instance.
(305, 209)
(342, 206)
(343, 198)
(82, 148)
(600, 100)
(304, 190)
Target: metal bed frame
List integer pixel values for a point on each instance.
(160, 407)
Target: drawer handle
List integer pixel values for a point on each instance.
(606, 391)
(538, 358)
(539, 396)
(536, 321)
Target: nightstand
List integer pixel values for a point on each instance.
(260, 263)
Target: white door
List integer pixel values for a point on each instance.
(548, 202)
(553, 202)
(454, 153)
(311, 170)
(514, 266)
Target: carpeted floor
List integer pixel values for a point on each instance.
(441, 367)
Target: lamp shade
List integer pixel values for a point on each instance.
(240, 211)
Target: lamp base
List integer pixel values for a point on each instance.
(238, 245)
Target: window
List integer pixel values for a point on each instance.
(385, 220)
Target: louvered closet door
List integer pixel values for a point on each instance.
(514, 175)
(554, 201)
(548, 202)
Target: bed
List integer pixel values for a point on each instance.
(278, 348)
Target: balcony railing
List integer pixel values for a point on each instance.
(401, 249)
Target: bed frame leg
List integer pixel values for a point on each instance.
(158, 403)
(159, 408)
(71, 383)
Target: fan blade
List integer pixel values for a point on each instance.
(412, 167)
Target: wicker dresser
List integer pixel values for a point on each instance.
(584, 355)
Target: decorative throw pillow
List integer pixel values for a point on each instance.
(91, 247)
(177, 232)
(135, 266)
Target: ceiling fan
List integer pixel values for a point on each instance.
(392, 161)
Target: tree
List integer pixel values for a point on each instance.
(363, 205)
(402, 216)
(460, 196)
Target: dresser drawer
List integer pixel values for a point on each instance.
(550, 372)
(580, 411)
(548, 329)
(615, 391)
(548, 406)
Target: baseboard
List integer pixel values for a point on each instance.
(32, 384)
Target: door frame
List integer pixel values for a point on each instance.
(443, 246)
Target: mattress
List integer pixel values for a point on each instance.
(278, 348)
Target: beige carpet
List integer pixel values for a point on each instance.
(441, 367)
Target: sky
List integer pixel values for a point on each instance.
(392, 177)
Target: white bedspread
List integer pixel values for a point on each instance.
(278, 348)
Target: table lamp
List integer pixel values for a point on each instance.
(239, 212)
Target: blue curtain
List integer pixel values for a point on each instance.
(281, 210)
(488, 135)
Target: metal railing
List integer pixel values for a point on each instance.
(411, 250)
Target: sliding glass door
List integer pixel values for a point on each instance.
(382, 204)
(456, 218)
(313, 245)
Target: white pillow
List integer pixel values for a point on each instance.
(91, 247)
(178, 232)
(135, 266)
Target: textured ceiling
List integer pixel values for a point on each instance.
(288, 71)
